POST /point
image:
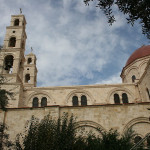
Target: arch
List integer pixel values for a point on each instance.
(35, 94)
(135, 121)
(75, 101)
(83, 100)
(125, 98)
(116, 90)
(116, 98)
(16, 22)
(143, 65)
(35, 102)
(131, 68)
(87, 123)
(8, 63)
(133, 78)
(83, 92)
(132, 71)
(44, 101)
(12, 42)
(27, 78)
(29, 61)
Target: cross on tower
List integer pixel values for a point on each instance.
(31, 49)
(20, 11)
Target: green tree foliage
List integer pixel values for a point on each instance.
(4, 138)
(61, 134)
(4, 95)
(133, 9)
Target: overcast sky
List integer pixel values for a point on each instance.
(73, 43)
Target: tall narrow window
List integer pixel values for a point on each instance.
(22, 45)
(124, 98)
(148, 92)
(75, 101)
(27, 78)
(35, 102)
(116, 99)
(83, 100)
(8, 63)
(12, 42)
(44, 101)
(133, 78)
(29, 60)
(16, 22)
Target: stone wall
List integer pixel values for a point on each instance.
(120, 117)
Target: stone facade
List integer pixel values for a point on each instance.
(117, 106)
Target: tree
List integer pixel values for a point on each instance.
(61, 134)
(4, 138)
(133, 9)
(4, 95)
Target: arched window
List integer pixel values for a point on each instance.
(35, 102)
(83, 100)
(12, 42)
(44, 101)
(29, 60)
(27, 78)
(137, 139)
(16, 22)
(116, 99)
(8, 63)
(133, 78)
(148, 92)
(75, 101)
(124, 98)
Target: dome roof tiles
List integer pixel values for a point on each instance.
(139, 53)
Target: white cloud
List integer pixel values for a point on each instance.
(111, 80)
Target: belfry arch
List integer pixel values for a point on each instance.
(12, 42)
(8, 63)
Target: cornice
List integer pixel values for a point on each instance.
(80, 87)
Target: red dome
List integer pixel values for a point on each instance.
(139, 53)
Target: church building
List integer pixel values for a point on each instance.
(117, 106)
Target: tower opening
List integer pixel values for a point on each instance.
(16, 22)
(8, 63)
(29, 60)
(27, 78)
(12, 42)
(133, 78)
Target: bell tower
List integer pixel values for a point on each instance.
(12, 52)
(12, 59)
(30, 71)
